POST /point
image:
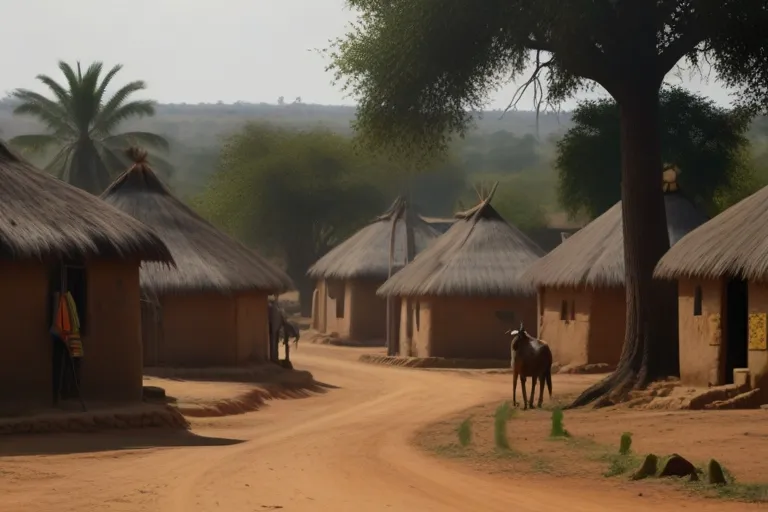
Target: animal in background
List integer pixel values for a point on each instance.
(531, 357)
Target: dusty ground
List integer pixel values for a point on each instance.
(201, 398)
(737, 439)
(348, 450)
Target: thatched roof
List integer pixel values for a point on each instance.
(734, 243)
(365, 255)
(481, 255)
(43, 217)
(206, 258)
(594, 255)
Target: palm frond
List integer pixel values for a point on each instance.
(115, 161)
(59, 164)
(64, 96)
(112, 113)
(106, 81)
(72, 78)
(35, 143)
(127, 139)
(47, 111)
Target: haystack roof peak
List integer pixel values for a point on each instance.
(365, 255)
(481, 255)
(43, 217)
(207, 259)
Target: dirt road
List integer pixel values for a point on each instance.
(346, 451)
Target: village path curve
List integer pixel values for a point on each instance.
(348, 450)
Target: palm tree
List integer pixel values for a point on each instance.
(81, 125)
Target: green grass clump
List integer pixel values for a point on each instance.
(558, 428)
(625, 443)
(464, 432)
(620, 464)
(503, 414)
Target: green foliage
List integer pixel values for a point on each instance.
(81, 124)
(706, 142)
(625, 443)
(292, 194)
(464, 432)
(558, 427)
(501, 417)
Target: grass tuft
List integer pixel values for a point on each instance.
(558, 427)
(625, 443)
(503, 414)
(464, 431)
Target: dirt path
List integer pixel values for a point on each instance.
(345, 451)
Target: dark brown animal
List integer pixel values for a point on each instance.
(530, 358)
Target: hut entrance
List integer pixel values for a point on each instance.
(736, 303)
(65, 362)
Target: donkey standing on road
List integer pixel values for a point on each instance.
(530, 358)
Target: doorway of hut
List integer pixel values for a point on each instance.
(736, 320)
(65, 378)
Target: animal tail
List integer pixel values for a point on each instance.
(548, 376)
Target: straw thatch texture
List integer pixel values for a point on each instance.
(594, 255)
(206, 258)
(365, 255)
(734, 243)
(476, 257)
(43, 217)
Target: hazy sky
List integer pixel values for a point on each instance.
(195, 51)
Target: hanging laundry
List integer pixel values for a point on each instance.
(66, 323)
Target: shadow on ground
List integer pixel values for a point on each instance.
(140, 439)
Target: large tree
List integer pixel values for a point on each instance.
(707, 143)
(421, 67)
(292, 194)
(82, 122)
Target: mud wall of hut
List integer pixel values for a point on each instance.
(207, 329)
(458, 327)
(583, 326)
(25, 378)
(112, 364)
(758, 348)
(111, 369)
(700, 333)
(350, 309)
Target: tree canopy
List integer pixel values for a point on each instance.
(292, 194)
(707, 143)
(82, 122)
(420, 68)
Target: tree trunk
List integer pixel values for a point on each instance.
(650, 348)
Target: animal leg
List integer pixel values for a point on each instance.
(541, 390)
(525, 395)
(514, 389)
(533, 391)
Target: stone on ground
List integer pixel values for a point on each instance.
(648, 468)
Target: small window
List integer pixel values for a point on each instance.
(697, 299)
(564, 310)
(340, 296)
(417, 314)
(573, 310)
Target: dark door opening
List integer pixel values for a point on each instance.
(65, 368)
(736, 316)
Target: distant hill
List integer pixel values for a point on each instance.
(205, 124)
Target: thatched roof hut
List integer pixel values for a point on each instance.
(55, 238)
(582, 305)
(211, 310)
(345, 301)
(480, 255)
(594, 255)
(365, 255)
(43, 217)
(451, 292)
(733, 244)
(206, 258)
(721, 269)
